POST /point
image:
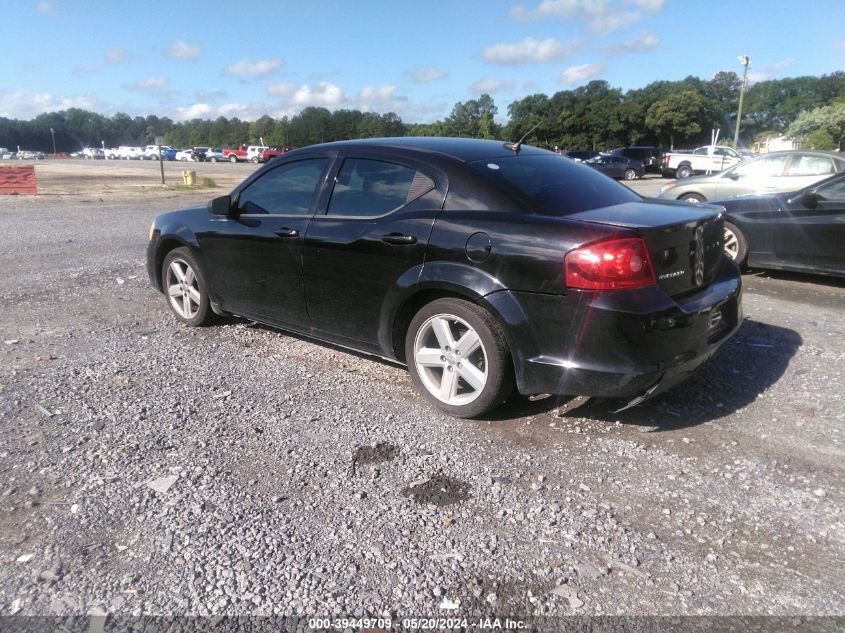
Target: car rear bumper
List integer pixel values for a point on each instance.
(622, 344)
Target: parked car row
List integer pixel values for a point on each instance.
(784, 210)
(24, 154)
(246, 153)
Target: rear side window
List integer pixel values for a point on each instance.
(807, 165)
(372, 187)
(553, 185)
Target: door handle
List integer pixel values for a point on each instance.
(286, 232)
(398, 238)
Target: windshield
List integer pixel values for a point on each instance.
(554, 185)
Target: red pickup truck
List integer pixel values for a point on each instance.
(273, 152)
(244, 153)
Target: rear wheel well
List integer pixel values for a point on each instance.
(409, 309)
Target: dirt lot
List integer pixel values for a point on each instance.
(149, 468)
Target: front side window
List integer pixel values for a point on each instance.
(286, 190)
(366, 187)
(762, 167)
(832, 191)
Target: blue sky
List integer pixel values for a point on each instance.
(188, 58)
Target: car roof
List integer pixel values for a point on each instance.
(812, 152)
(462, 149)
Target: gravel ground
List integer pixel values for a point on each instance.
(148, 468)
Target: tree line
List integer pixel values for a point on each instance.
(592, 117)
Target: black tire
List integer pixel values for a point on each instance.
(202, 314)
(213, 159)
(491, 356)
(692, 197)
(630, 174)
(684, 171)
(736, 246)
(233, 158)
(255, 159)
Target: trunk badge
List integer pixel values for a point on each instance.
(699, 256)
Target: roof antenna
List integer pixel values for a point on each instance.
(515, 147)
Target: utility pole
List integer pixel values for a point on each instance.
(53, 135)
(745, 60)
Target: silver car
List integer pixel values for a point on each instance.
(770, 173)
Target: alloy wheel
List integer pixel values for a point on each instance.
(731, 244)
(183, 289)
(450, 359)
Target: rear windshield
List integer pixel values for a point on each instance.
(554, 185)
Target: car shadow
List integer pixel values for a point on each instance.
(745, 367)
(783, 275)
(750, 363)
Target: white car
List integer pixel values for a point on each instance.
(185, 154)
(126, 152)
(254, 152)
(151, 151)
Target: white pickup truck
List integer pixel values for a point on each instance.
(125, 152)
(702, 160)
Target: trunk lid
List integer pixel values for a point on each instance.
(685, 241)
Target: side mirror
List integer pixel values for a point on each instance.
(732, 176)
(809, 199)
(221, 206)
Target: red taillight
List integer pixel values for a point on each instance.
(608, 265)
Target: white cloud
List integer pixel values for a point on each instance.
(281, 90)
(381, 99)
(603, 16)
(371, 94)
(782, 64)
(652, 6)
(242, 111)
(85, 69)
(44, 7)
(529, 51)
(147, 85)
(27, 105)
(115, 56)
(196, 111)
(577, 74)
(183, 50)
(491, 86)
(325, 94)
(247, 68)
(769, 71)
(424, 75)
(642, 44)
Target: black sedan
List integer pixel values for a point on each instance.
(802, 231)
(618, 167)
(481, 265)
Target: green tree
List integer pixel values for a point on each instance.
(465, 119)
(261, 128)
(814, 124)
(677, 117)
